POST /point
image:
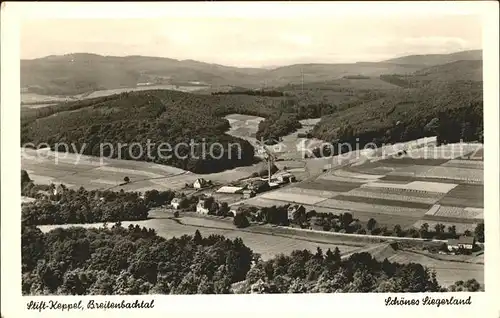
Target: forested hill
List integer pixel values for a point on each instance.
(159, 116)
(435, 59)
(452, 111)
(78, 73)
(464, 70)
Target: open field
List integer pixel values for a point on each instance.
(410, 170)
(370, 189)
(50, 167)
(321, 184)
(372, 208)
(414, 186)
(333, 178)
(403, 161)
(465, 195)
(293, 197)
(356, 175)
(474, 176)
(243, 126)
(303, 191)
(382, 201)
(290, 148)
(461, 163)
(455, 214)
(394, 194)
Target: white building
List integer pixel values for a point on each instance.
(200, 183)
(176, 202)
(200, 207)
(230, 190)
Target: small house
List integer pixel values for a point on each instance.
(200, 207)
(176, 203)
(247, 194)
(463, 242)
(200, 183)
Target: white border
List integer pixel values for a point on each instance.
(13, 304)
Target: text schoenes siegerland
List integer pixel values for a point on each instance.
(428, 301)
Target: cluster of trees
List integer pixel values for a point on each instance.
(128, 261)
(269, 93)
(470, 285)
(134, 260)
(70, 206)
(276, 215)
(278, 125)
(306, 272)
(155, 198)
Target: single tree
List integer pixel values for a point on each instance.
(452, 230)
(479, 232)
(372, 223)
(240, 221)
(126, 179)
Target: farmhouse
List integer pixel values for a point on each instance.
(463, 242)
(176, 202)
(200, 183)
(200, 207)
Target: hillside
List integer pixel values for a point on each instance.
(156, 116)
(79, 73)
(405, 115)
(435, 59)
(463, 70)
(73, 74)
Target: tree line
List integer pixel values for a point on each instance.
(134, 260)
(346, 223)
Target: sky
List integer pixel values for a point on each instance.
(256, 41)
